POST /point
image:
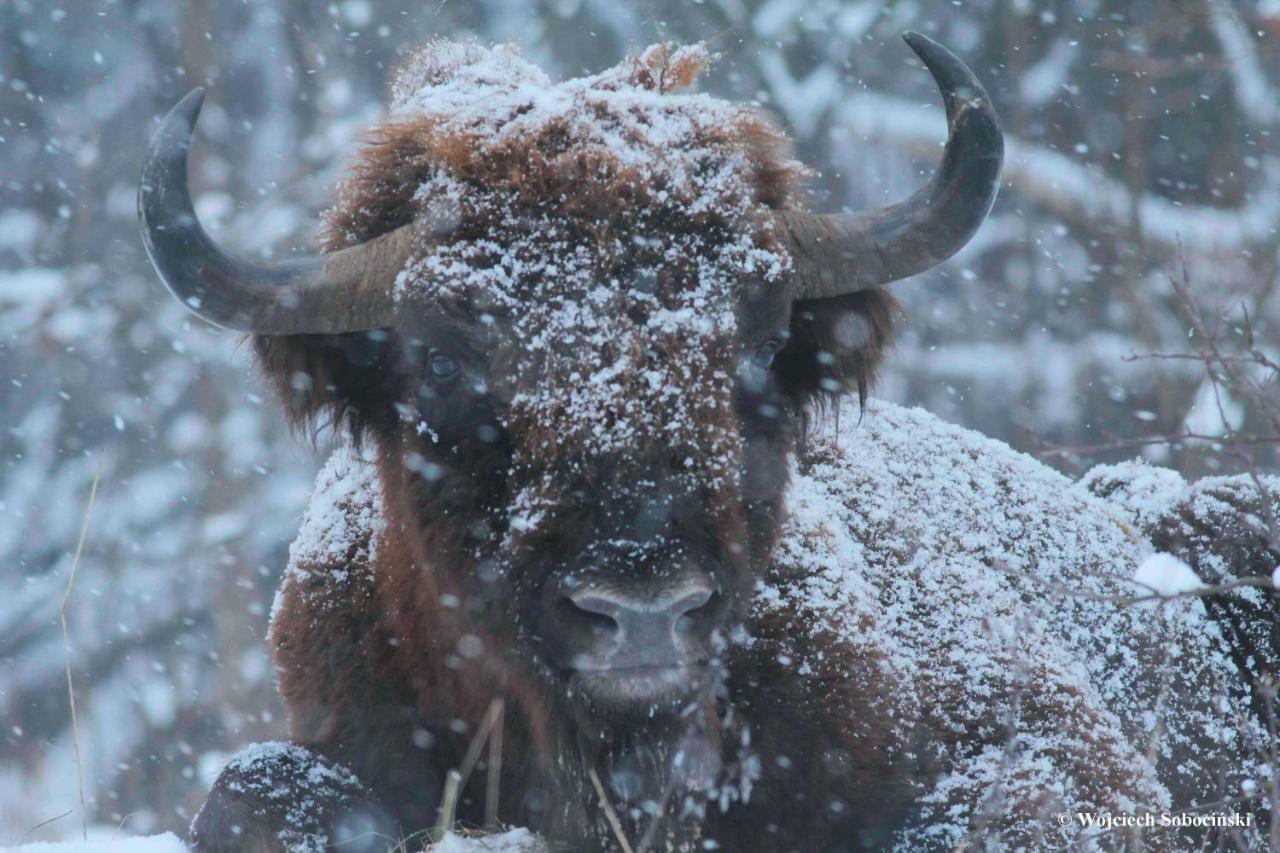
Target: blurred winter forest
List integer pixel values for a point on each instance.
(1142, 183)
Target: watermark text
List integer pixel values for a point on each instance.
(1150, 820)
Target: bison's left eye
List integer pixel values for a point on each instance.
(443, 368)
(764, 354)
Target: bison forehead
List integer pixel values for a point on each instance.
(488, 102)
(606, 229)
(598, 146)
(608, 343)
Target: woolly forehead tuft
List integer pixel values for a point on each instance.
(611, 223)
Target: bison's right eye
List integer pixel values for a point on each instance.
(443, 367)
(764, 354)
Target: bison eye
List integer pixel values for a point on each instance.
(443, 368)
(763, 356)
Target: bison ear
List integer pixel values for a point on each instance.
(837, 346)
(351, 380)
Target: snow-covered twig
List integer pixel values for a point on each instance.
(1050, 450)
(456, 779)
(492, 787)
(1229, 370)
(1268, 691)
(1237, 371)
(994, 801)
(1155, 594)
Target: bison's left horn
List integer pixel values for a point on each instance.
(842, 253)
(345, 291)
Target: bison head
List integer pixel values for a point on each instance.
(583, 323)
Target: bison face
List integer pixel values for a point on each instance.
(583, 323)
(615, 469)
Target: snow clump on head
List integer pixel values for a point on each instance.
(607, 224)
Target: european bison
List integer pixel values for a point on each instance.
(594, 539)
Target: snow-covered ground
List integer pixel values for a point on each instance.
(166, 843)
(514, 841)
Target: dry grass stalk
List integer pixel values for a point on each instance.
(457, 778)
(609, 813)
(66, 646)
(494, 774)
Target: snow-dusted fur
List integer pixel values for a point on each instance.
(909, 639)
(967, 575)
(975, 573)
(276, 795)
(1223, 529)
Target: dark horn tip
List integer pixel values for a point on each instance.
(171, 233)
(195, 97)
(947, 68)
(844, 253)
(960, 87)
(188, 108)
(926, 48)
(913, 38)
(173, 137)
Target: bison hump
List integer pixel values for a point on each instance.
(977, 576)
(1222, 528)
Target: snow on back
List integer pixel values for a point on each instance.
(1146, 492)
(957, 561)
(1165, 575)
(606, 228)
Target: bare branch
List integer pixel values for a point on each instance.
(1140, 598)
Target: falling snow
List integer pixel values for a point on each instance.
(1139, 145)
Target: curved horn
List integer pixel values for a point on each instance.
(345, 291)
(843, 253)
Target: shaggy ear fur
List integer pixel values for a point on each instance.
(837, 345)
(351, 380)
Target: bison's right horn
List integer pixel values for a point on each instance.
(838, 253)
(345, 291)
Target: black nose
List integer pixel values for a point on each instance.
(607, 629)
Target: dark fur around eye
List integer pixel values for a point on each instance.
(765, 353)
(443, 368)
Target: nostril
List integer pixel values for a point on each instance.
(692, 600)
(578, 616)
(697, 610)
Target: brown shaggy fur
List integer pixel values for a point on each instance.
(391, 653)
(337, 658)
(378, 194)
(837, 344)
(389, 663)
(374, 680)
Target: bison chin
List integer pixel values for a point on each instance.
(656, 773)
